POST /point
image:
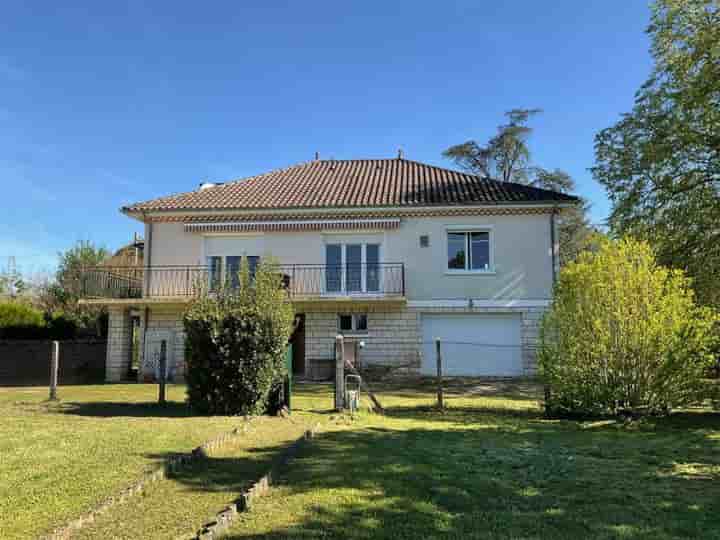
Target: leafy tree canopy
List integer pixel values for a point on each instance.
(660, 164)
(507, 157)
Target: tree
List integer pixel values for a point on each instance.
(507, 157)
(576, 234)
(236, 341)
(660, 164)
(61, 295)
(624, 334)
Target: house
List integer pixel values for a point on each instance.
(392, 253)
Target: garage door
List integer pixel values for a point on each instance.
(473, 345)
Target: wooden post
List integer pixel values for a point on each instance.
(339, 373)
(438, 356)
(54, 367)
(163, 371)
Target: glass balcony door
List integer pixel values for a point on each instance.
(352, 268)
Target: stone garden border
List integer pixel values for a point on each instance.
(160, 472)
(257, 489)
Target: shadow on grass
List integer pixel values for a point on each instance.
(172, 409)
(226, 474)
(546, 481)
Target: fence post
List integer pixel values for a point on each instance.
(438, 356)
(339, 373)
(163, 371)
(54, 366)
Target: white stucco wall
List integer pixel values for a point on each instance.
(520, 244)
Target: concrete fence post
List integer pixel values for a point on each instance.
(54, 367)
(339, 373)
(438, 355)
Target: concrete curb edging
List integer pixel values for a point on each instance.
(171, 464)
(257, 489)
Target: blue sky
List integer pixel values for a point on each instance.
(104, 103)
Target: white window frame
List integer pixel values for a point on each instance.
(354, 330)
(363, 243)
(489, 229)
(224, 265)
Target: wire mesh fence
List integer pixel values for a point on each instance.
(440, 373)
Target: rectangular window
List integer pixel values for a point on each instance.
(333, 267)
(352, 268)
(345, 322)
(480, 250)
(372, 261)
(457, 246)
(353, 263)
(214, 272)
(252, 261)
(353, 323)
(469, 250)
(232, 268)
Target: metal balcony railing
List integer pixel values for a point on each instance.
(299, 280)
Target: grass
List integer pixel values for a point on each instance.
(489, 467)
(59, 460)
(192, 496)
(493, 467)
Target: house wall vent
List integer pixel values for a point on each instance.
(424, 241)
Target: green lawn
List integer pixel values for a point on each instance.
(489, 467)
(192, 496)
(493, 467)
(59, 460)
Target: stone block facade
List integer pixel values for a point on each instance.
(157, 324)
(163, 323)
(393, 341)
(394, 338)
(119, 348)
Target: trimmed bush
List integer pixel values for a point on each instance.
(236, 343)
(21, 321)
(623, 335)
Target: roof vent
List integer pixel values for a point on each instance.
(400, 153)
(206, 185)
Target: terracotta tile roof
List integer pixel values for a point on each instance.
(353, 183)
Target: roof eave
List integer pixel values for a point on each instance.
(142, 214)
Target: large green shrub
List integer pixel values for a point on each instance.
(21, 321)
(623, 335)
(236, 343)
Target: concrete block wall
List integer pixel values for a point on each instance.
(391, 340)
(118, 358)
(394, 338)
(167, 318)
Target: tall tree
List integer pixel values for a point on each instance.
(60, 295)
(660, 164)
(576, 234)
(507, 157)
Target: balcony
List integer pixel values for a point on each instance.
(301, 281)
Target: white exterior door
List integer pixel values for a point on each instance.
(473, 344)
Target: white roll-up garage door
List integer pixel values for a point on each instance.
(473, 344)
